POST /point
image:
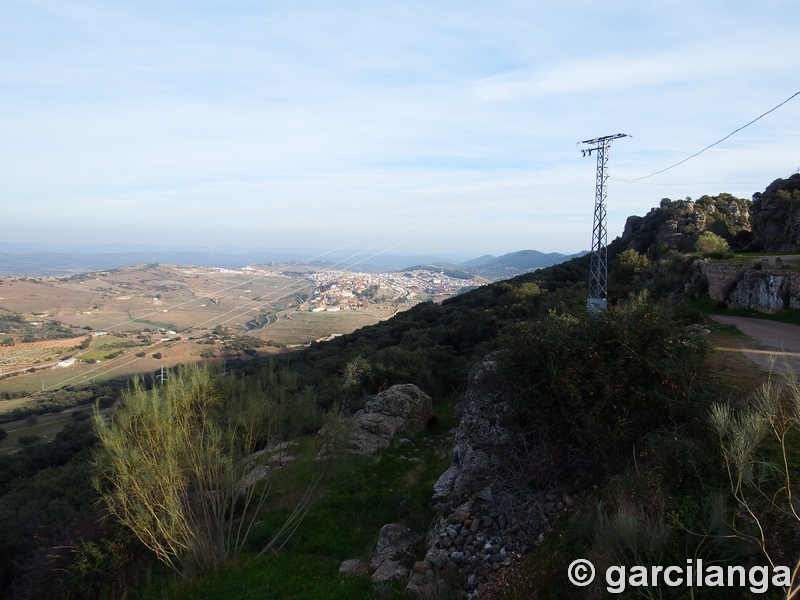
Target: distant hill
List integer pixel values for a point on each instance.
(478, 262)
(40, 260)
(514, 263)
(54, 260)
(445, 269)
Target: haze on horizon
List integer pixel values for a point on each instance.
(405, 128)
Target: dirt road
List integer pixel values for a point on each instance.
(768, 339)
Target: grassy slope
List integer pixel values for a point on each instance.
(366, 493)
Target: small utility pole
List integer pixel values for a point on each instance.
(162, 376)
(598, 268)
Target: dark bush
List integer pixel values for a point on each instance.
(602, 382)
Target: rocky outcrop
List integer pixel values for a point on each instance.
(260, 464)
(491, 508)
(676, 224)
(490, 515)
(776, 217)
(394, 553)
(482, 439)
(767, 292)
(392, 559)
(401, 409)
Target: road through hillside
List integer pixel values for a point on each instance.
(771, 338)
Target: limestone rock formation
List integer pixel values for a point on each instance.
(481, 438)
(768, 289)
(677, 224)
(776, 217)
(490, 515)
(393, 555)
(765, 292)
(401, 409)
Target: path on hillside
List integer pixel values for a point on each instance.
(780, 340)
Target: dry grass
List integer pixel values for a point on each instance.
(731, 369)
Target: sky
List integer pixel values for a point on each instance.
(397, 127)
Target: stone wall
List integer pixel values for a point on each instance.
(765, 290)
(721, 277)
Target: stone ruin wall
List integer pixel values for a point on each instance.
(767, 290)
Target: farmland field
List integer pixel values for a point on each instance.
(134, 313)
(46, 428)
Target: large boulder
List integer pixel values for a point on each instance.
(766, 292)
(401, 409)
(393, 555)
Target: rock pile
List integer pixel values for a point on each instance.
(488, 513)
(467, 547)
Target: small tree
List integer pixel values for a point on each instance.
(628, 264)
(711, 245)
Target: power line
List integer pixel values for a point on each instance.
(715, 143)
(686, 183)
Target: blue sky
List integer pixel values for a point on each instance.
(405, 127)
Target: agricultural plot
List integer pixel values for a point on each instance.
(293, 327)
(21, 356)
(149, 316)
(44, 427)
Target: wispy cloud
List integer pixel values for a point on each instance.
(279, 121)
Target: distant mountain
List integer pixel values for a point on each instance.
(514, 263)
(55, 264)
(478, 262)
(54, 260)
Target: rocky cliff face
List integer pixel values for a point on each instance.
(776, 217)
(767, 292)
(676, 224)
(769, 223)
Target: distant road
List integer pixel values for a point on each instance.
(780, 340)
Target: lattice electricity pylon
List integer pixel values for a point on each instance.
(598, 268)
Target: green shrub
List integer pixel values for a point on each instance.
(601, 383)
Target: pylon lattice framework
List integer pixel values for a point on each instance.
(598, 266)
